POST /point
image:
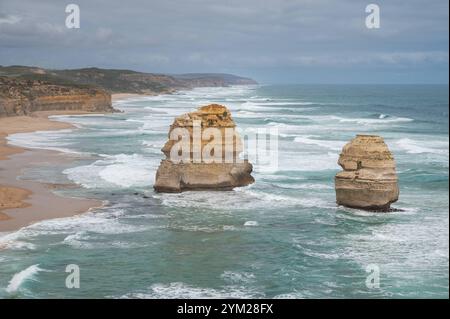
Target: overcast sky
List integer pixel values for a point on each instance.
(273, 41)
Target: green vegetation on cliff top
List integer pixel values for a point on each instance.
(123, 81)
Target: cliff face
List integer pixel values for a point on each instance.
(22, 97)
(197, 171)
(126, 81)
(120, 81)
(213, 79)
(368, 180)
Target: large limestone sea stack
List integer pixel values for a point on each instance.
(195, 172)
(368, 180)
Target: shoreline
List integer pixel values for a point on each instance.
(122, 96)
(24, 202)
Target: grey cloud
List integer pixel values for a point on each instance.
(9, 19)
(252, 37)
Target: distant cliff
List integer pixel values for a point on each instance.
(127, 81)
(213, 79)
(22, 97)
(25, 89)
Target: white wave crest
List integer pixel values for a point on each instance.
(330, 144)
(119, 170)
(418, 147)
(179, 290)
(19, 278)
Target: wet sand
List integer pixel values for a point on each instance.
(23, 202)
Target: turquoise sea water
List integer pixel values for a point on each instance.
(281, 237)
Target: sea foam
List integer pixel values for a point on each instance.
(19, 278)
(180, 290)
(114, 171)
(418, 147)
(329, 144)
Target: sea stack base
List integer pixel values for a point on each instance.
(175, 178)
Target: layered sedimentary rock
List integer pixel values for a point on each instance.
(368, 180)
(211, 158)
(22, 97)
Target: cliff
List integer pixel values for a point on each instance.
(26, 89)
(213, 79)
(126, 81)
(21, 97)
(209, 157)
(368, 180)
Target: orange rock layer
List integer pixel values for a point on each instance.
(195, 173)
(368, 180)
(22, 97)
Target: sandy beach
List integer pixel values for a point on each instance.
(23, 202)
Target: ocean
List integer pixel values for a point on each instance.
(282, 237)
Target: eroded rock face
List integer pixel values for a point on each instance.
(23, 97)
(368, 180)
(195, 172)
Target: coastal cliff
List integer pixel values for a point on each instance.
(126, 81)
(195, 172)
(22, 97)
(25, 89)
(368, 180)
(212, 79)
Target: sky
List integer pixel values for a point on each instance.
(272, 41)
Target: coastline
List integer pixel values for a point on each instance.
(122, 96)
(23, 202)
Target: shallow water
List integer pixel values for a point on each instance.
(280, 237)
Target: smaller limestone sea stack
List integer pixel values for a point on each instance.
(369, 180)
(202, 153)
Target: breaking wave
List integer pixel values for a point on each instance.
(21, 277)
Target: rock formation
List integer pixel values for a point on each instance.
(196, 171)
(368, 180)
(22, 97)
